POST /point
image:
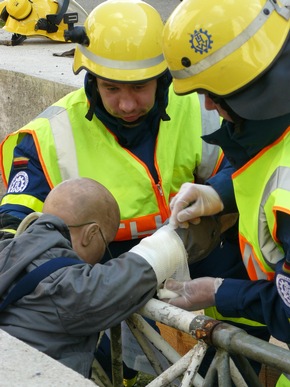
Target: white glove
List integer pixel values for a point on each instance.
(190, 295)
(192, 202)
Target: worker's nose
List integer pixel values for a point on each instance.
(127, 102)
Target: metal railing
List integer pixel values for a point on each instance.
(183, 370)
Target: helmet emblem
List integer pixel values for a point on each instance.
(201, 41)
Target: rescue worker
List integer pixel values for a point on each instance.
(80, 217)
(237, 54)
(126, 129)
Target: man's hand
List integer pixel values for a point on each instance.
(192, 202)
(190, 295)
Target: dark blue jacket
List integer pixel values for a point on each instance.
(257, 300)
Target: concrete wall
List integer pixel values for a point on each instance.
(24, 366)
(23, 97)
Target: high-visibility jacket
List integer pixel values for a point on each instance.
(68, 146)
(260, 247)
(283, 381)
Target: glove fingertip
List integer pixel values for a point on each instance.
(166, 294)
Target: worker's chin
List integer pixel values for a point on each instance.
(132, 123)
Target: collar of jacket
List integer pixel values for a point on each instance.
(240, 146)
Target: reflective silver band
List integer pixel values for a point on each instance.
(118, 64)
(268, 247)
(210, 153)
(64, 141)
(285, 10)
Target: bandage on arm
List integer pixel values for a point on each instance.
(164, 251)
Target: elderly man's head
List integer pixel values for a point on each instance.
(91, 213)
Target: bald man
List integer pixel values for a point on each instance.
(64, 313)
(91, 213)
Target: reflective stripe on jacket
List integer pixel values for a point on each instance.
(69, 146)
(269, 174)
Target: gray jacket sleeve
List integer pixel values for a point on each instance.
(96, 298)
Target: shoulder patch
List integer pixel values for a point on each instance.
(283, 286)
(19, 183)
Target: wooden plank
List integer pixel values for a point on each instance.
(180, 341)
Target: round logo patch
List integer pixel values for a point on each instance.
(283, 286)
(18, 183)
(201, 41)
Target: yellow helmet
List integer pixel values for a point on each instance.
(19, 9)
(124, 42)
(222, 46)
(37, 17)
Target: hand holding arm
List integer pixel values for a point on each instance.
(168, 250)
(192, 202)
(190, 295)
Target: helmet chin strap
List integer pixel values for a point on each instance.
(93, 101)
(17, 39)
(51, 22)
(161, 86)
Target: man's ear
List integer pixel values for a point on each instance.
(89, 233)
